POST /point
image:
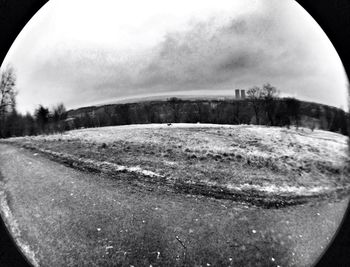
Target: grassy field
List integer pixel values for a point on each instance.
(263, 165)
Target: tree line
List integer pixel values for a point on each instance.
(283, 112)
(13, 123)
(264, 102)
(263, 106)
(44, 121)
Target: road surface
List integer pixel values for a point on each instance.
(63, 217)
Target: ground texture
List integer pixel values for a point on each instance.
(267, 166)
(126, 207)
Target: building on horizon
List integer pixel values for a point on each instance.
(239, 94)
(242, 94)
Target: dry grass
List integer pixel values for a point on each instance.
(270, 159)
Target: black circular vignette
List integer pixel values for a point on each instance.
(14, 15)
(334, 18)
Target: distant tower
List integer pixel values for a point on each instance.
(242, 94)
(237, 94)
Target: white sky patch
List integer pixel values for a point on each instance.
(140, 23)
(87, 51)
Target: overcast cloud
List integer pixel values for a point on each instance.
(208, 51)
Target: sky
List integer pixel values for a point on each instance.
(86, 52)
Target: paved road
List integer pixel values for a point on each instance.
(63, 217)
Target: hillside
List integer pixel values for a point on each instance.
(217, 111)
(262, 165)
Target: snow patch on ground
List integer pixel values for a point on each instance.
(273, 189)
(103, 164)
(268, 189)
(15, 230)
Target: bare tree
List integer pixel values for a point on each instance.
(59, 113)
(269, 96)
(42, 117)
(7, 95)
(7, 91)
(175, 106)
(255, 95)
(237, 113)
(293, 110)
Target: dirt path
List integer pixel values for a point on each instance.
(63, 217)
